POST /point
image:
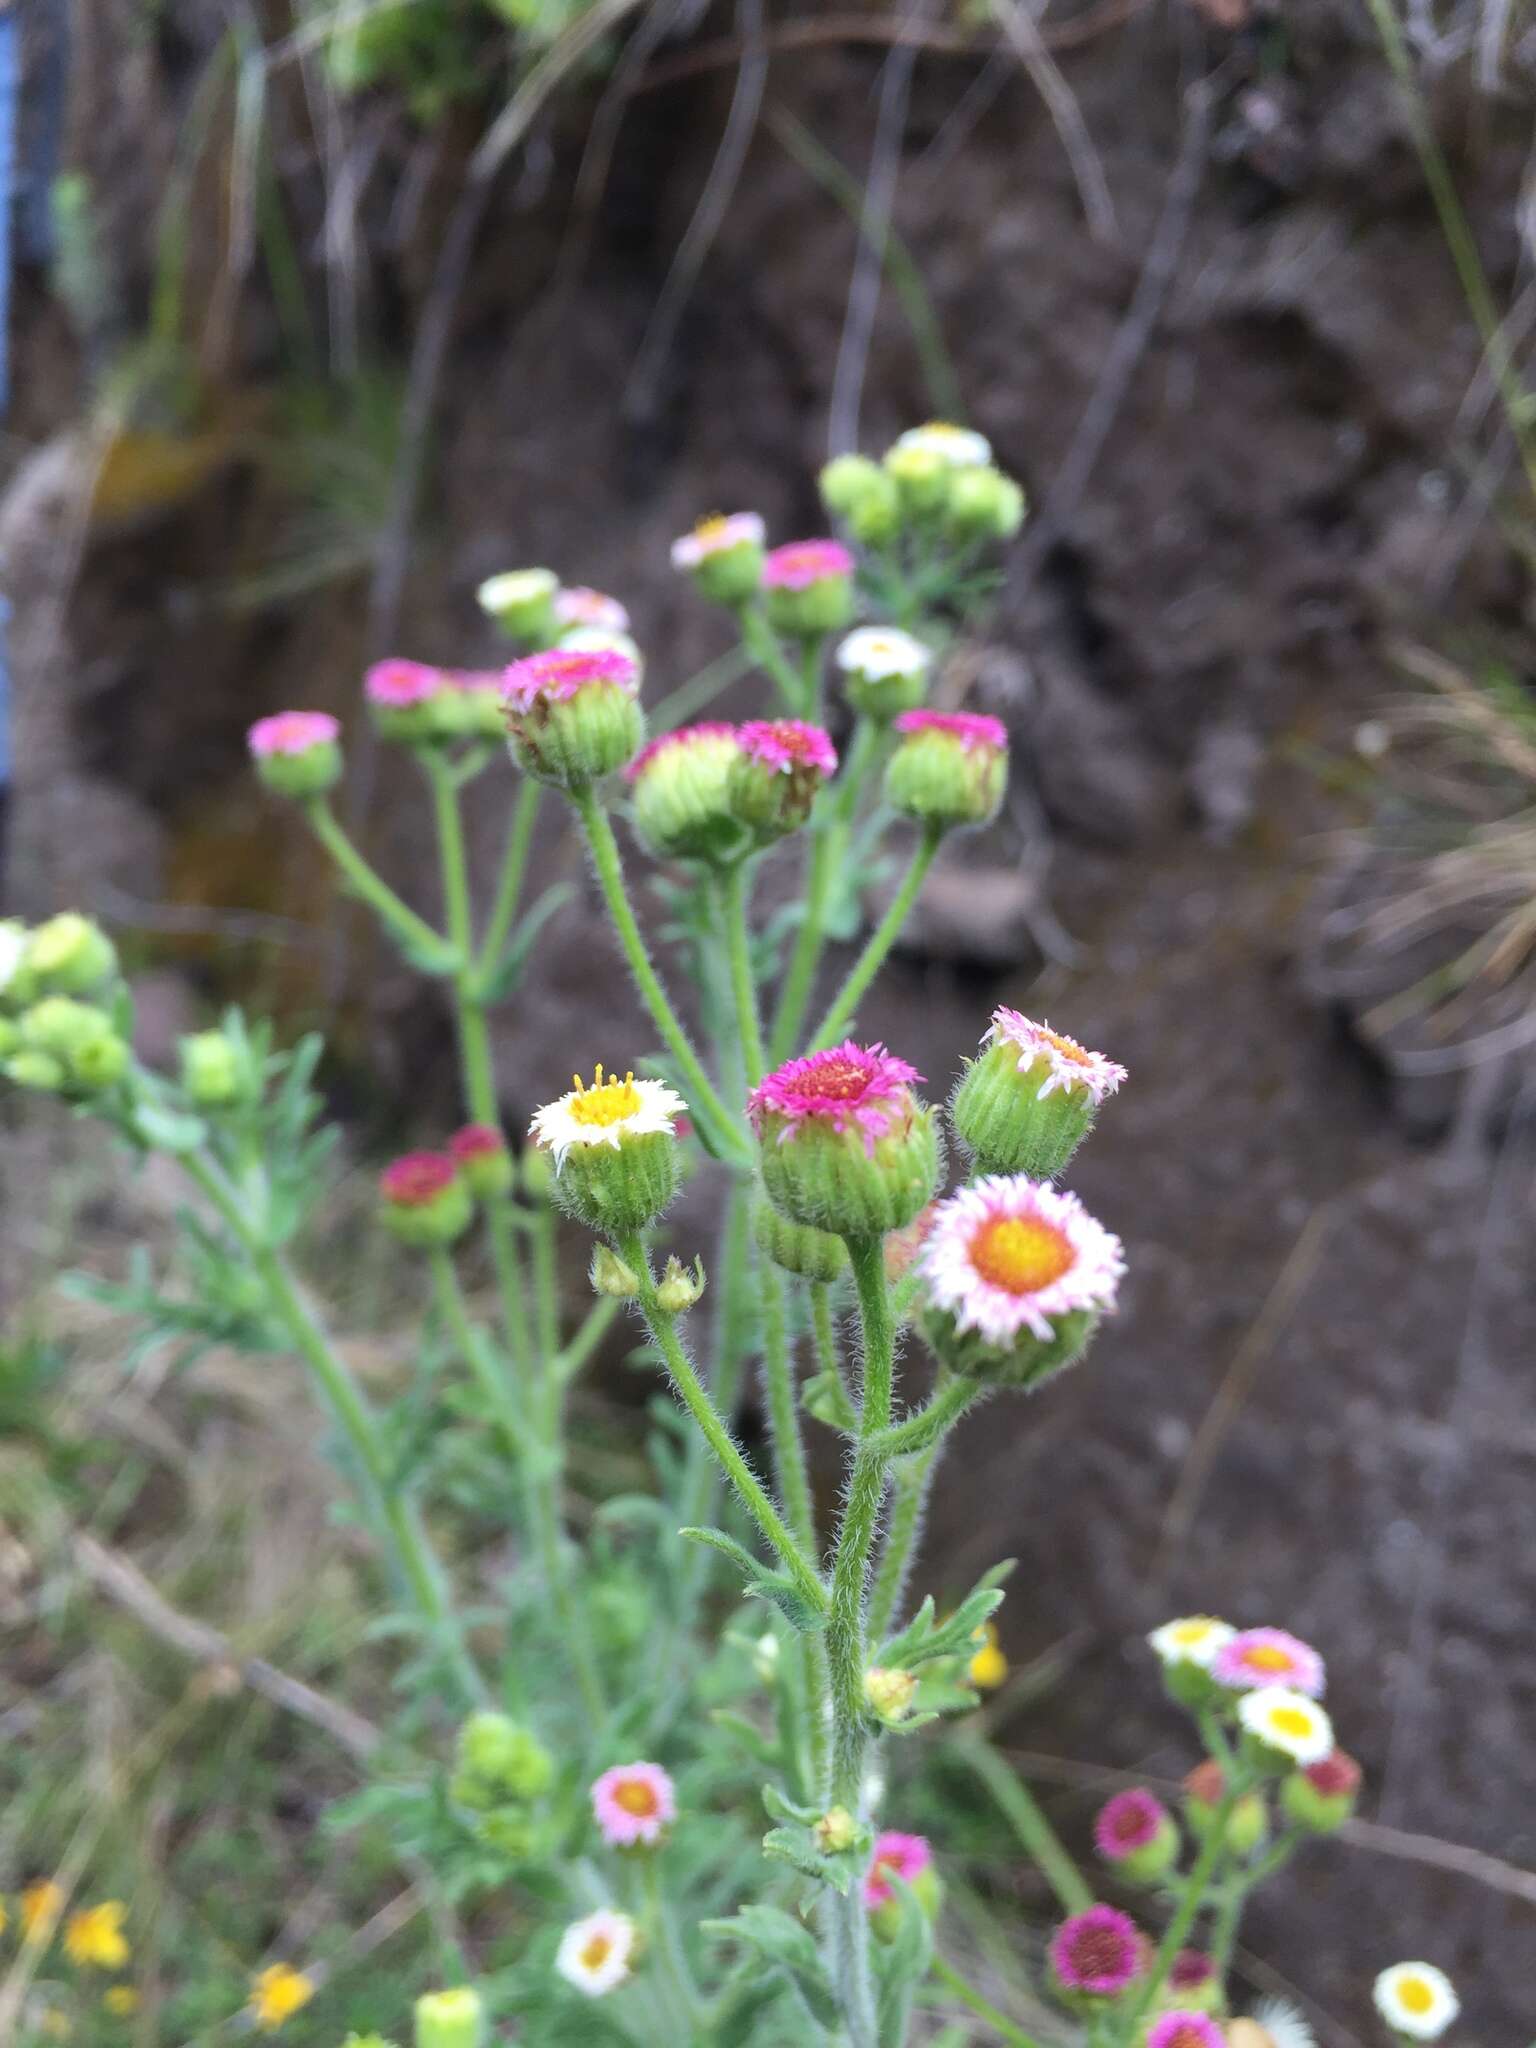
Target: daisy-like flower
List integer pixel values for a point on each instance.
(956, 447)
(1416, 1999)
(634, 1804)
(1185, 2030)
(1097, 1953)
(277, 1993)
(1285, 2026)
(850, 1087)
(1268, 1656)
(895, 1854)
(1284, 1720)
(717, 535)
(1128, 1822)
(1015, 1275)
(844, 1144)
(578, 606)
(607, 1112)
(293, 732)
(1059, 1062)
(597, 1954)
(799, 564)
(40, 1906)
(94, 1936)
(1191, 1639)
(571, 713)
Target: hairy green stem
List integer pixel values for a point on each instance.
(880, 941)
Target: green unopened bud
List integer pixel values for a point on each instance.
(69, 955)
(450, 2019)
(890, 1693)
(499, 1762)
(983, 504)
(836, 1831)
(680, 1287)
(522, 602)
(797, 1247)
(215, 1072)
(949, 768)
(1030, 1098)
(610, 1276)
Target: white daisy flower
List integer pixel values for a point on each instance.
(1009, 1253)
(1285, 2025)
(713, 536)
(960, 447)
(1066, 1064)
(515, 587)
(881, 651)
(606, 1113)
(1416, 1999)
(1288, 1721)
(1191, 1639)
(597, 1954)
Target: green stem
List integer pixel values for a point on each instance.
(703, 1100)
(514, 868)
(690, 1390)
(735, 888)
(881, 939)
(983, 2008)
(429, 946)
(1039, 1839)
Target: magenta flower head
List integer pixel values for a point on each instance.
(1135, 1832)
(808, 588)
(572, 714)
(904, 1856)
(297, 753)
(949, 769)
(424, 1201)
(1029, 1099)
(845, 1145)
(1187, 2029)
(1016, 1275)
(1268, 1656)
(681, 785)
(1097, 1954)
(404, 698)
(782, 764)
(634, 1804)
(480, 1153)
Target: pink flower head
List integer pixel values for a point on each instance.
(396, 684)
(1099, 1952)
(905, 1856)
(1268, 1656)
(1128, 1822)
(1068, 1065)
(416, 1179)
(800, 563)
(559, 672)
(971, 728)
(477, 1141)
(1185, 2030)
(683, 736)
(786, 744)
(861, 1087)
(579, 606)
(292, 732)
(633, 1803)
(1008, 1253)
(1190, 1969)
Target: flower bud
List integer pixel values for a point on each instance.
(297, 753)
(983, 504)
(522, 602)
(480, 1153)
(214, 1071)
(1136, 1833)
(797, 1247)
(499, 1761)
(69, 955)
(1029, 1100)
(950, 768)
(724, 556)
(1248, 1822)
(781, 763)
(844, 1144)
(424, 1201)
(610, 1276)
(808, 588)
(1322, 1797)
(890, 1693)
(615, 1153)
(572, 717)
(884, 670)
(450, 2019)
(681, 789)
(679, 1287)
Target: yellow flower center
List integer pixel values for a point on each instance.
(1268, 1657)
(1293, 1721)
(596, 1952)
(605, 1102)
(1021, 1254)
(1414, 1995)
(637, 1798)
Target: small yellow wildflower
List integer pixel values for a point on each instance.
(94, 1936)
(989, 1667)
(122, 2001)
(277, 1993)
(41, 1904)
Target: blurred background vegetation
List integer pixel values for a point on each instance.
(320, 313)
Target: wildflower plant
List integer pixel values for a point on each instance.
(673, 1749)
